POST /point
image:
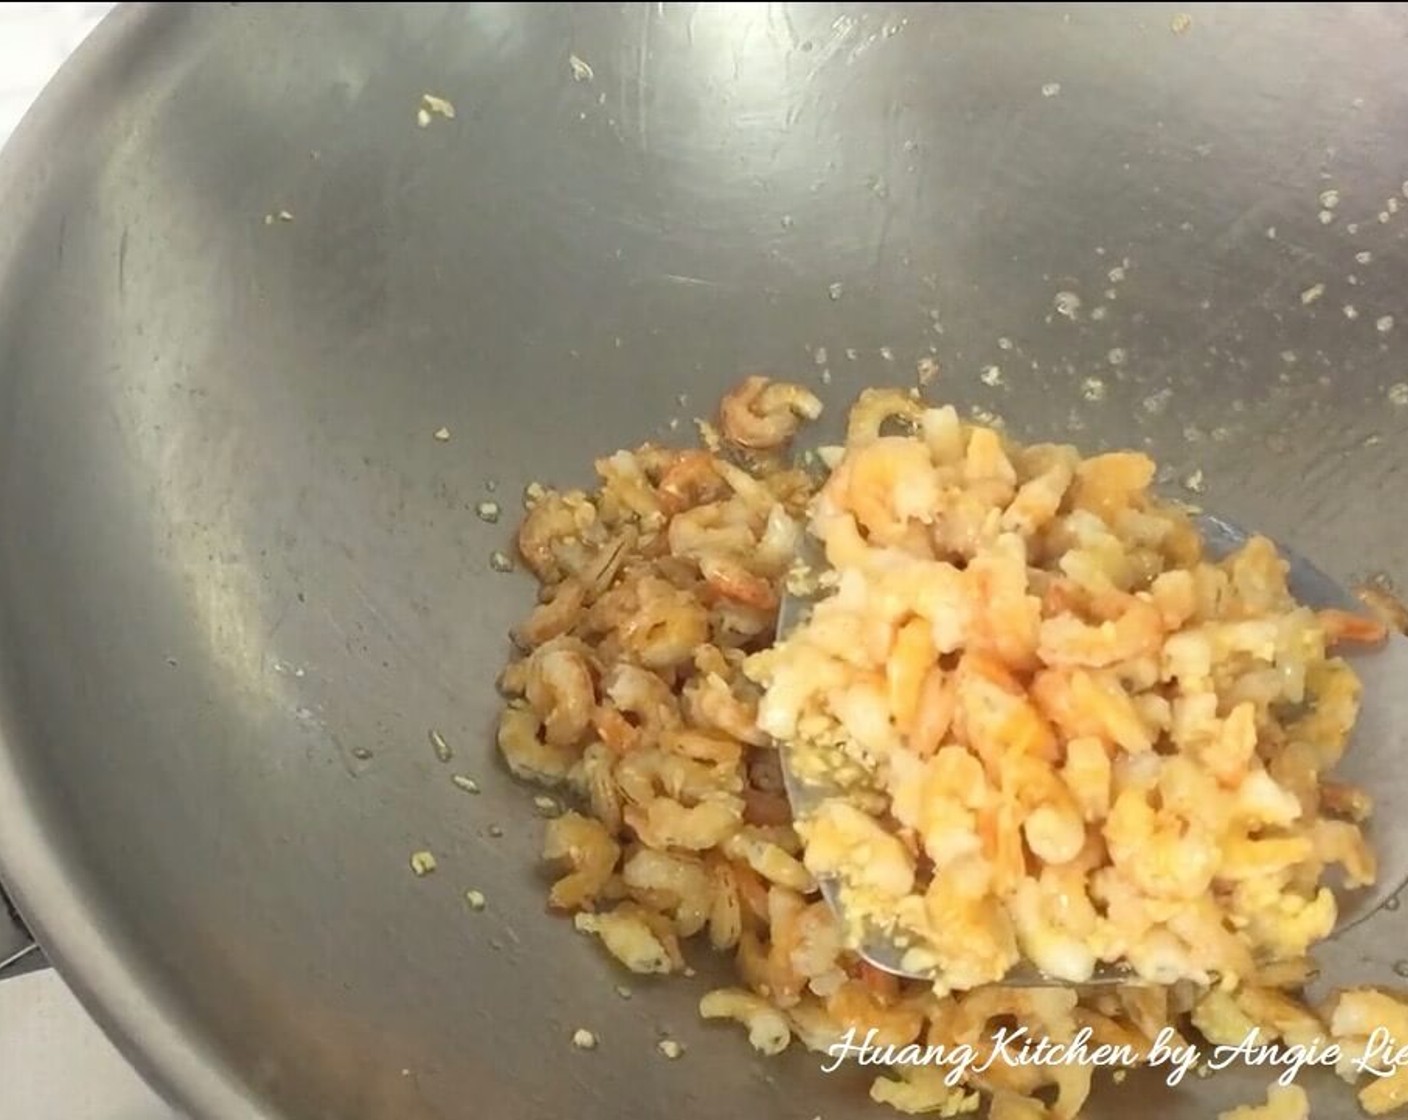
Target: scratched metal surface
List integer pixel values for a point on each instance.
(240, 579)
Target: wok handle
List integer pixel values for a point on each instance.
(19, 952)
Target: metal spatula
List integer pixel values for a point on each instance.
(1376, 760)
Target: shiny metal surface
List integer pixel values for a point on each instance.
(235, 563)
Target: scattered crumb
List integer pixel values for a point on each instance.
(1004, 343)
(1193, 483)
(1352, 228)
(852, 353)
(582, 1038)
(1330, 199)
(1271, 232)
(495, 831)
(1310, 295)
(581, 70)
(422, 863)
(489, 511)
(442, 434)
(431, 105)
(475, 899)
(1092, 389)
(819, 355)
(623, 991)
(1383, 216)
(1350, 311)
(284, 216)
(836, 290)
(1067, 304)
(1119, 1075)
(1098, 313)
(533, 493)
(1180, 23)
(465, 782)
(1392, 205)
(1326, 217)
(1117, 274)
(500, 561)
(1117, 356)
(670, 1048)
(926, 370)
(440, 747)
(1398, 394)
(1363, 257)
(826, 377)
(1384, 323)
(991, 375)
(546, 805)
(1051, 89)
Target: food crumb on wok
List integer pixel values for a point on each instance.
(1363, 256)
(1180, 23)
(495, 831)
(670, 1048)
(1350, 311)
(1093, 389)
(500, 561)
(581, 70)
(991, 376)
(1398, 393)
(1311, 294)
(1326, 217)
(475, 899)
(465, 782)
(1384, 323)
(440, 746)
(649, 687)
(488, 511)
(623, 991)
(1051, 89)
(1193, 482)
(442, 434)
(546, 806)
(432, 106)
(423, 863)
(583, 1039)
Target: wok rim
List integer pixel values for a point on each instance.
(42, 880)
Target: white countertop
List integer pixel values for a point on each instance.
(54, 1063)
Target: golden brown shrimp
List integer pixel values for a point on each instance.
(562, 692)
(709, 702)
(730, 578)
(554, 518)
(1162, 855)
(761, 414)
(884, 484)
(553, 618)
(1137, 631)
(528, 755)
(666, 628)
(873, 407)
(585, 845)
(1347, 627)
(690, 479)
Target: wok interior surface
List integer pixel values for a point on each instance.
(241, 580)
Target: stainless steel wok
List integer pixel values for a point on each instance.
(240, 581)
